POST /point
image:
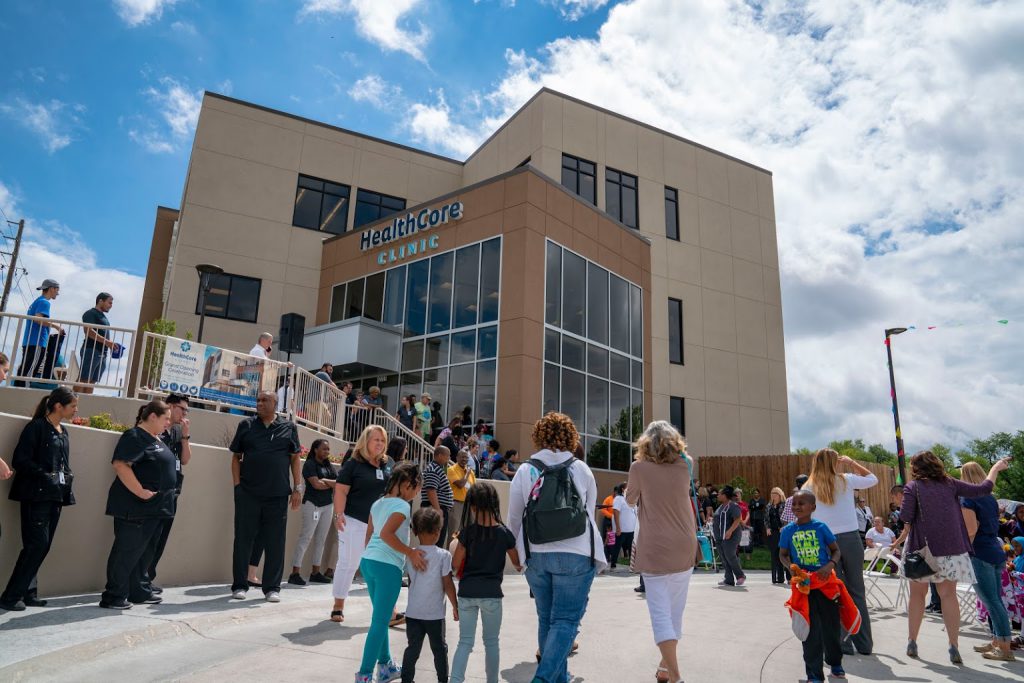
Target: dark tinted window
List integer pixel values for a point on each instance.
(464, 346)
(354, 299)
(233, 297)
(374, 298)
(618, 314)
(416, 299)
(552, 346)
(490, 273)
(460, 387)
(677, 414)
(572, 352)
(574, 294)
(636, 321)
(487, 342)
(338, 303)
(551, 398)
(675, 331)
(620, 197)
(412, 355)
(467, 278)
(671, 213)
(394, 296)
(574, 388)
(371, 206)
(578, 176)
(437, 352)
(485, 378)
(597, 406)
(553, 286)
(440, 291)
(597, 304)
(321, 205)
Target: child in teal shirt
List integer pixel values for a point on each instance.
(382, 565)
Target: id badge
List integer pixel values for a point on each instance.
(60, 478)
(177, 466)
(380, 475)
(316, 515)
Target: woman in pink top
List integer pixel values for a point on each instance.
(668, 525)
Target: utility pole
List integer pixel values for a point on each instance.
(9, 281)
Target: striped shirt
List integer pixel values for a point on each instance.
(435, 478)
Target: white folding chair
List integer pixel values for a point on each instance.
(878, 559)
(968, 602)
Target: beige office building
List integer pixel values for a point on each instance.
(578, 260)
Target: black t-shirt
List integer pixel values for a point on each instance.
(405, 416)
(153, 465)
(40, 457)
(484, 568)
(266, 455)
(95, 316)
(323, 470)
(366, 484)
(172, 439)
(756, 508)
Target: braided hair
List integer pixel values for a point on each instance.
(482, 499)
(404, 473)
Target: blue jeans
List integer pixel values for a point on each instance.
(561, 587)
(990, 590)
(383, 583)
(489, 611)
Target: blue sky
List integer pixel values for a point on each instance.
(892, 128)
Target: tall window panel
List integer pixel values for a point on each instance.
(675, 331)
(579, 176)
(620, 197)
(593, 360)
(672, 213)
(677, 413)
(232, 297)
(321, 205)
(440, 292)
(371, 206)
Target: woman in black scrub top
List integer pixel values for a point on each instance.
(42, 485)
(141, 497)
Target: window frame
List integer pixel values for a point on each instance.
(323, 192)
(680, 345)
(622, 187)
(674, 202)
(578, 172)
(381, 196)
(672, 402)
(227, 306)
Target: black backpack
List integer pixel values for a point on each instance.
(555, 510)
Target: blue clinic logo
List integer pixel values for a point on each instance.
(185, 347)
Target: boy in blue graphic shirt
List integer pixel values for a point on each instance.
(812, 546)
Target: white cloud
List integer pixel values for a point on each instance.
(138, 12)
(375, 90)
(50, 249)
(893, 130)
(185, 28)
(178, 107)
(54, 122)
(378, 22)
(577, 9)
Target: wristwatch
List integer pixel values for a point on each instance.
(299, 489)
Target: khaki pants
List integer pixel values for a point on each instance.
(455, 518)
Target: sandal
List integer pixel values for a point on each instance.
(337, 616)
(658, 675)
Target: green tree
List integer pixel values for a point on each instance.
(945, 454)
(881, 455)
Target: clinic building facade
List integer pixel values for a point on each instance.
(578, 261)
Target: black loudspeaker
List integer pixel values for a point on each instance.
(293, 328)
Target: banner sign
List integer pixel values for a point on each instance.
(214, 374)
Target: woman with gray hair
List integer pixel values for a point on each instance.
(668, 549)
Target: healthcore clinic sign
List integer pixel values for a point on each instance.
(409, 225)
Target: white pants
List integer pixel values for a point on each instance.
(666, 600)
(316, 522)
(351, 544)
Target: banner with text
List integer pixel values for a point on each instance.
(213, 374)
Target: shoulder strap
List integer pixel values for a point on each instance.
(538, 465)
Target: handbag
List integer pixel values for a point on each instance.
(921, 563)
(609, 538)
(745, 538)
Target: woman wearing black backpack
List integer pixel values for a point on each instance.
(561, 558)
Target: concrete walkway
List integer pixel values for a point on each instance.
(199, 634)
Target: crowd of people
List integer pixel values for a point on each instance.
(557, 532)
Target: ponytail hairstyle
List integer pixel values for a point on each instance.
(60, 396)
(404, 473)
(155, 407)
(317, 443)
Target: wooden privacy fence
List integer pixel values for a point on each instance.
(767, 471)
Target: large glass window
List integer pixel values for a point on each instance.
(578, 175)
(593, 369)
(671, 213)
(675, 331)
(620, 197)
(447, 309)
(321, 205)
(233, 297)
(371, 206)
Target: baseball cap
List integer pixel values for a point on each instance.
(47, 283)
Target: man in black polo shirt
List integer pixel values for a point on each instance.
(177, 438)
(437, 490)
(265, 447)
(96, 344)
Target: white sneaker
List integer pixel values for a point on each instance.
(238, 595)
(273, 596)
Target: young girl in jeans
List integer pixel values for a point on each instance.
(480, 552)
(382, 564)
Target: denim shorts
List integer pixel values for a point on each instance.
(94, 362)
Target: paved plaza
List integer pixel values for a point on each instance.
(198, 634)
